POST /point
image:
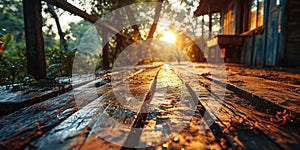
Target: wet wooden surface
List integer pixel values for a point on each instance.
(171, 107)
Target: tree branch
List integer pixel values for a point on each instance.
(59, 29)
(156, 18)
(74, 10)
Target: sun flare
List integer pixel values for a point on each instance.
(166, 67)
(168, 37)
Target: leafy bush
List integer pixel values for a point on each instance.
(12, 59)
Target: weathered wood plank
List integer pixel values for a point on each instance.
(240, 119)
(168, 114)
(283, 75)
(74, 129)
(33, 95)
(177, 104)
(20, 128)
(259, 87)
(80, 129)
(174, 120)
(245, 113)
(255, 84)
(116, 125)
(11, 104)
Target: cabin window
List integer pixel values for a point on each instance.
(274, 4)
(278, 2)
(256, 14)
(228, 22)
(216, 19)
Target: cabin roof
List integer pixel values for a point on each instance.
(214, 5)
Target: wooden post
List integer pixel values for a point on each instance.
(266, 32)
(105, 50)
(202, 26)
(36, 65)
(210, 21)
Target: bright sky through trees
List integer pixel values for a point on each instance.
(168, 36)
(66, 18)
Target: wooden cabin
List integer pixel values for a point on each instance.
(255, 32)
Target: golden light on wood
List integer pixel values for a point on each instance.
(168, 36)
(166, 67)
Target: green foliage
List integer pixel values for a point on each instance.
(7, 40)
(13, 62)
(58, 62)
(12, 56)
(11, 16)
(12, 59)
(194, 53)
(49, 38)
(76, 33)
(13, 50)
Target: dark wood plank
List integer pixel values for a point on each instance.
(242, 124)
(173, 121)
(80, 129)
(256, 88)
(20, 128)
(24, 99)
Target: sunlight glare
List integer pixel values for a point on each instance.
(166, 67)
(168, 37)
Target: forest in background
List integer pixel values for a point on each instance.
(61, 45)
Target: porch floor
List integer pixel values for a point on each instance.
(170, 107)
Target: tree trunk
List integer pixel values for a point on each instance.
(36, 64)
(156, 18)
(132, 21)
(153, 27)
(59, 29)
